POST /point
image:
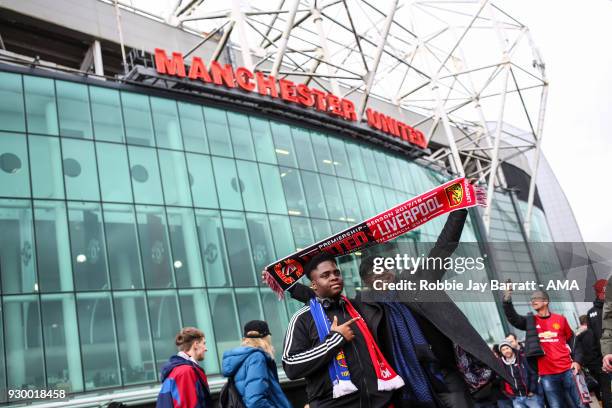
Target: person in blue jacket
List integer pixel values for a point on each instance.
(253, 368)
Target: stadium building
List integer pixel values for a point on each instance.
(150, 169)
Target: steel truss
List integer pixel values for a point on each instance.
(464, 69)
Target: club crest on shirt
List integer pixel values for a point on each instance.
(341, 359)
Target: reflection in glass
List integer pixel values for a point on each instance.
(196, 313)
(202, 181)
(145, 175)
(218, 132)
(314, 194)
(283, 237)
(98, 340)
(134, 335)
(261, 240)
(333, 199)
(325, 161)
(61, 340)
(123, 249)
(46, 167)
(114, 172)
(212, 248)
(240, 131)
(301, 140)
(23, 347)
(73, 108)
(17, 249)
(175, 178)
(40, 105)
(320, 229)
(106, 112)
(193, 127)
(370, 166)
(88, 246)
(249, 305)
(156, 255)
(302, 232)
(238, 248)
(137, 118)
(356, 162)
(185, 249)
(226, 323)
(53, 246)
(11, 109)
(165, 323)
(341, 161)
(262, 139)
(273, 189)
(229, 186)
(166, 123)
(14, 170)
(3, 390)
(252, 193)
(275, 314)
(292, 185)
(365, 200)
(80, 172)
(283, 146)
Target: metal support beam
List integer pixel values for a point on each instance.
(377, 56)
(238, 19)
(280, 52)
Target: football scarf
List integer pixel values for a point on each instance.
(338, 368)
(450, 196)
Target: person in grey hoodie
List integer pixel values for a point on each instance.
(253, 368)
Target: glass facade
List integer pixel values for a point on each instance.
(124, 217)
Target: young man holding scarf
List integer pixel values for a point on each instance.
(433, 346)
(329, 344)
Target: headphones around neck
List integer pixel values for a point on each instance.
(327, 302)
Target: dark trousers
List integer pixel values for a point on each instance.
(457, 395)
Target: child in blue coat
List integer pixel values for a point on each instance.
(254, 370)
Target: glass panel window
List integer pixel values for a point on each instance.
(320, 229)
(14, 170)
(175, 178)
(332, 197)
(106, 112)
(166, 123)
(249, 305)
(301, 140)
(202, 181)
(383, 168)
(165, 323)
(229, 186)
(261, 241)
(218, 132)
(186, 259)
(252, 193)
(134, 335)
(226, 322)
(370, 166)
(356, 162)
(302, 232)
(24, 347)
(314, 194)
(282, 234)
(238, 249)
(40, 105)
(196, 313)
(341, 162)
(12, 116)
(46, 167)
(193, 127)
(325, 163)
(241, 135)
(73, 107)
(155, 246)
(17, 249)
(137, 118)
(88, 246)
(123, 249)
(144, 171)
(283, 145)
(262, 138)
(212, 248)
(273, 189)
(98, 340)
(114, 172)
(53, 246)
(397, 181)
(296, 203)
(378, 196)
(80, 172)
(351, 202)
(365, 200)
(61, 340)
(276, 315)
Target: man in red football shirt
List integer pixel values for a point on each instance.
(548, 336)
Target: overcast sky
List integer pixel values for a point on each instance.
(573, 37)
